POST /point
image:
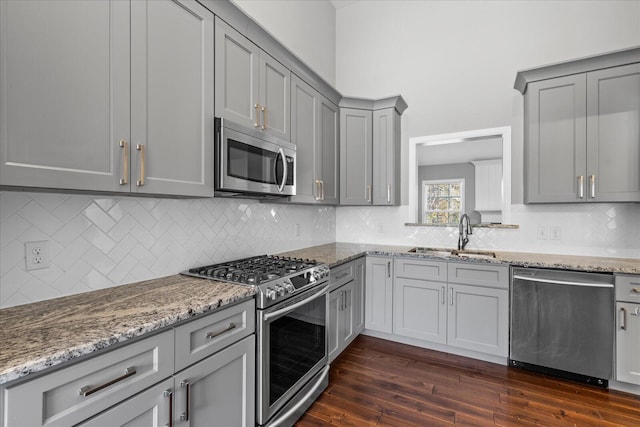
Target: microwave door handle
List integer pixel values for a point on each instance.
(284, 168)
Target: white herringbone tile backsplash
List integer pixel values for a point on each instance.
(101, 241)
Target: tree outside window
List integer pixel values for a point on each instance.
(442, 201)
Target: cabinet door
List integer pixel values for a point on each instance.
(478, 319)
(420, 309)
(355, 157)
(329, 148)
(65, 97)
(555, 146)
(613, 134)
(386, 157)
(379, 294)
(218, 391)
(236, 76)
(358, 295)
(304, 133)
(274, 87)
(151, 408)
(334, 324)
(172, 98)
(628, 343)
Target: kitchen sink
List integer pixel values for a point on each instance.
(440, 252)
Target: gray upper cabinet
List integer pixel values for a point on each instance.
(356, 152)
(582, 130)
(252, 88)
(137, 115)
(314, 130)
(370, 151)
(65, 97)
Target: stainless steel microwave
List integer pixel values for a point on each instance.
(252, 164)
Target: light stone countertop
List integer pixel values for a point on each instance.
(338, 253)
(36, 336)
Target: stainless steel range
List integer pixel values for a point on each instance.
(292, 302)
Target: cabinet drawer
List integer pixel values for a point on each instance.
(469, 273)
(628, 288)
(58, 399)
(202, 337)
(342, 274)
(421, 269)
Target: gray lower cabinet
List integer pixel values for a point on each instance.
(370, 147)
(314, 130)
(628, 329)
(379, 294)
(218, 391)
(465, 305)
(346, 306)
(252, 88)
(202, 373)
(581, 137)
(136, 116)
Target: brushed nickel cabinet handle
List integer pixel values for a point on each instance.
(623, 318)
(635, 290)
(256, 123)
(388, 193)
(581, 187)
(141, 149)
(169, 395)
(444, 295)
(212, 335)
(264, 118)
(316, 194)
(592, 189)
(88, 390)
(451, 296)
(124, 144)
(185, 415)
(321, 190)
(369, 192)
(388, 268)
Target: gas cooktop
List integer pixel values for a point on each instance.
(276, 278)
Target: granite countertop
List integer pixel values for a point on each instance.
(47, 333)
(338, 253)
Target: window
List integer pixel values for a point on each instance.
(442, 201)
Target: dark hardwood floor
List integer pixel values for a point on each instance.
(377, 382)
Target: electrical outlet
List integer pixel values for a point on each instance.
(543, 232)
(37, 255)
(555, 233)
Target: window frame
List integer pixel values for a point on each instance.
(425, 183)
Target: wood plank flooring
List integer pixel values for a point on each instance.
(378, 382)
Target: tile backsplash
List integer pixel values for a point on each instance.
(594, 229)
(102, 241)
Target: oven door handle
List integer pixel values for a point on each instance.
(296, 305)
(302, 401)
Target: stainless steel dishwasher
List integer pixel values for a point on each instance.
(562, 323)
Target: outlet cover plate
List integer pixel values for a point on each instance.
(36, 255)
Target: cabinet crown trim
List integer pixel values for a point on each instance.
(581, 65)
(396, 101)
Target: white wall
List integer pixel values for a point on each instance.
(455, 63)
(307, 28)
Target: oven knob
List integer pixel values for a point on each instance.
(290, 288)
(270, 294)
(280, 290)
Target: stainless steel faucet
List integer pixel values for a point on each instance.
(464, 231)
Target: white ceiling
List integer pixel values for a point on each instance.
(459, 152)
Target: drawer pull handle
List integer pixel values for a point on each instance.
(623, 318)
(140, 148)
(345, 274)
(125, 161)
(169, 395)
(88, 390)
(635, 290)
(257, 114)
(212, 335)
(185, 415)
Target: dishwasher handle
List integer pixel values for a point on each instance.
(563, 282)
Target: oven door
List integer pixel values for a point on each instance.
(247, 163)
(292, 348)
